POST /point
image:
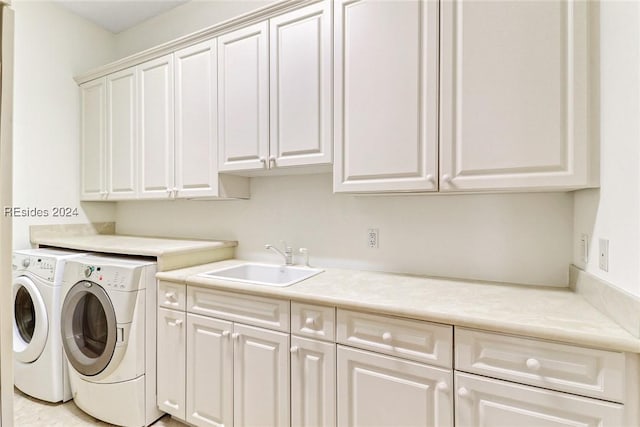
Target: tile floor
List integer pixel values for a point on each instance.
(32, 412)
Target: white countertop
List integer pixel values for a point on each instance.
(548, 313)
(170, 253)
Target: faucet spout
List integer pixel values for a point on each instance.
(287, 255)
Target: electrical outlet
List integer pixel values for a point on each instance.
(584, 248)
(372, 238)
(603, 249)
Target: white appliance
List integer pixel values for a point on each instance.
(108, 326)
(38, 360)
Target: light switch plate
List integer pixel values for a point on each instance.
(584, 247)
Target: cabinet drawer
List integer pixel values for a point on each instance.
(249, 309)
(488, 402)
(315, 321)
(585, 371)
(412, 339)
(172, 295)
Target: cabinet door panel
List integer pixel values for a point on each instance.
(243, 103)
(156, 138)
(209, 372)
(121, 135)
(487, 402)
(171, 362)
(261, 377)
(385, 104)
(196, 117)
(313, 383)
(513, 94)
(300, 95)
(93, 123)
(377, 390)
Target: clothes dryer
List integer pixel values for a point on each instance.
(108, 326)
(40, 369)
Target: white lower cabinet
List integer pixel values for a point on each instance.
(171, 362)
(488, 402)
(379, 390)
(209, 372)
(260, 377)
(227, 359)
(313, 382)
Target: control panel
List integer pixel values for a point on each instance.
(112, 277)
(43, 267)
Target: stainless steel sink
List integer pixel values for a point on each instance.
(264, 274)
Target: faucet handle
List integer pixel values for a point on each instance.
(305, 252)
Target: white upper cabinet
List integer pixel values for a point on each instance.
(196, 157)
(513, 95)
(93, 150)
(243, 103)
(121, 135)
(155, 127)
(385, 95)
(300, 90)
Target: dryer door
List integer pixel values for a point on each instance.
(30, 322)
(88, 328)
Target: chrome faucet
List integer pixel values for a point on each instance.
(287, 254)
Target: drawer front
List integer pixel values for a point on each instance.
(488, 402)
(172, 295)
(249, 309)
(579, 370)
(411, 339)
(314, 321)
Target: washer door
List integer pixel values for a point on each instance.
(88, 328)
(30, 322)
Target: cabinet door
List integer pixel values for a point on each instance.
(121, 135)
(196, 156)
(155, 126)
(486, 402)
(171, 362)
(93, 150)
(300, 89)
(209, 372)
(385, 103)
(243, 103)
(313, 383)
(513, 95)
(377, 390)
(260, 377)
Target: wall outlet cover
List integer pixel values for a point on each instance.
(603, 254)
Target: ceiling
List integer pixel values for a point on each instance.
(119, 15)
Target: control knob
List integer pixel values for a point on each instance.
(26, 262)
(88, 271)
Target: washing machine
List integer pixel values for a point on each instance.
(108, 329)
(39, 366)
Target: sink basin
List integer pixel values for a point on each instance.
(264, 274)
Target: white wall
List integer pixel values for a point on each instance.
(183, 20)
(51, 46)
(522, 238)
(613, 211)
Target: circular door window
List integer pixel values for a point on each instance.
(88, 328)
(30, 323)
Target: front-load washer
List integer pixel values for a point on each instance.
(108, 326)
(40, 369)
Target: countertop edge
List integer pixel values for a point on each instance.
(584, 339)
